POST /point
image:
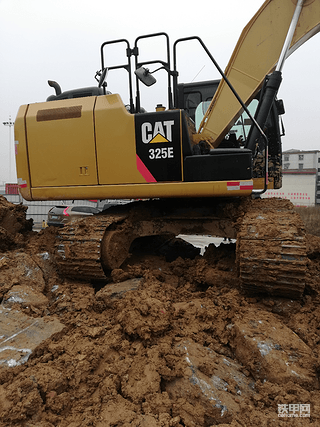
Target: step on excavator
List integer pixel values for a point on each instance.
(199, 166)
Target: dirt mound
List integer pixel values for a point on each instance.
(170, 343)
(13, 225)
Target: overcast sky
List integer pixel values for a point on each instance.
(60, 40)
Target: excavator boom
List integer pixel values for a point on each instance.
(255, 56)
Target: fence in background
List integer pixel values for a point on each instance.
(39, 210)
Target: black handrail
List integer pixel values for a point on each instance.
(166, 66)
(175, 89)
(125, 66)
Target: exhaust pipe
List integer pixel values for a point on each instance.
(56, 86)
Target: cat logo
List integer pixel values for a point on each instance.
(158, 133)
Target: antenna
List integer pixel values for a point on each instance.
(197, 74)
(10, 124)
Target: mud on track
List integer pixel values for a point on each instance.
(165, 343)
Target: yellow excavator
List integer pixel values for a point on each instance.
(198, 167)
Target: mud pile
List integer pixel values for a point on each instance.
(13, 224)
(165, 344)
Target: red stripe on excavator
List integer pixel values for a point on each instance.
(147, 175)
(240, 185)
(22, 183)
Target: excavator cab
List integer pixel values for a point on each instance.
(191, 96)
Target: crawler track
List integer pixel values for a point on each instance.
(271, 249)
(79, 248)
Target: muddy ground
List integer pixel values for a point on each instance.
(165, 344)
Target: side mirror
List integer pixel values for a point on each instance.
(103, 77)
(145, 76)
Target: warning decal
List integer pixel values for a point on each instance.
(240, 185)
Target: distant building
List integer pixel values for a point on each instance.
(301, 178)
